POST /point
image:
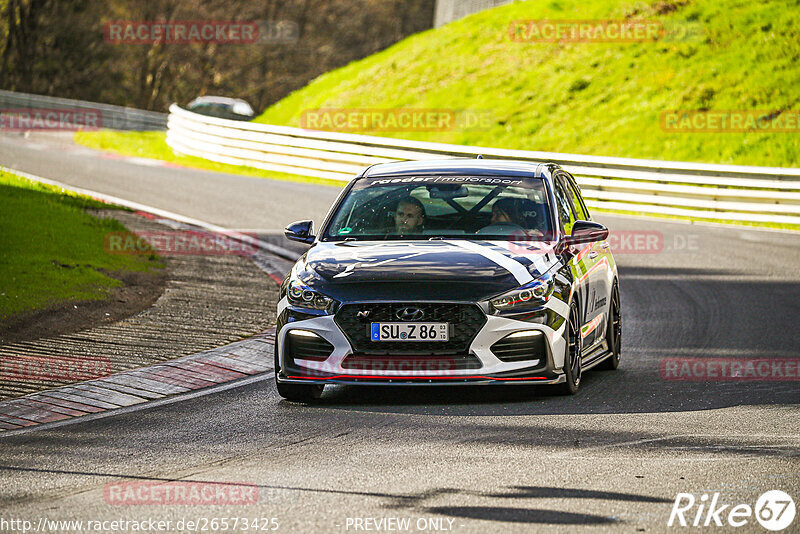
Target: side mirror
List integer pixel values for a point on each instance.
(584, 232)
(302, 231)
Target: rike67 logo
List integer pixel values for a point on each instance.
(774, 510)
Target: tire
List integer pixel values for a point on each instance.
(613, 332)
(306, 393)
(572, 358)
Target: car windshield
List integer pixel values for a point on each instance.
(453, 207)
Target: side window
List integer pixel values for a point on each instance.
(564, 205)
(577, 202)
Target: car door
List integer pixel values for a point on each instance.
(582, 263)
(599, 279)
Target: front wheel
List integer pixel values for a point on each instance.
(306, 393)
(572, 357)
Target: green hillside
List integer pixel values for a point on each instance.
(602, 98)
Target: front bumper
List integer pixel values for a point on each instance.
(487, 369)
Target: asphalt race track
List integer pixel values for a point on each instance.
(612, 458)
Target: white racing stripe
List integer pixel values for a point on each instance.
(519, 271)
(537, 253)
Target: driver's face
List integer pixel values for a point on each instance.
(499, 216)
(407, 218)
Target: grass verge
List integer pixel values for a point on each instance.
(52, 251)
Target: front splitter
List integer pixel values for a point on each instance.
(469, 380)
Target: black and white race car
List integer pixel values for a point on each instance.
(450, 272)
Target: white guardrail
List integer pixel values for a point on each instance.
(721, 192)
(110, 117)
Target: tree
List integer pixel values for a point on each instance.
(57, 47)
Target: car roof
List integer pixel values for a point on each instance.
(462, 166)
(216, 100)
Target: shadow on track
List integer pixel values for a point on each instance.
(413, 501)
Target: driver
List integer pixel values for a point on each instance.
(409, 216)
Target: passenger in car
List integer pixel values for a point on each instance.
(521, 212)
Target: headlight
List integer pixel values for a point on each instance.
(531, 295)
(302, 296)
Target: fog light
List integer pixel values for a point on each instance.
(302, 333)
(524, 333)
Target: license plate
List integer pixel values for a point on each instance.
(410, 332)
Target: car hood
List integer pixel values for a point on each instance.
(415, 270)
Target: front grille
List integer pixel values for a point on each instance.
(517, 349)
(411, 363)
(465, 321)
(307, 348)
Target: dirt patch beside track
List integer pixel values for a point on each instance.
(141, 290)
(201, 302)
